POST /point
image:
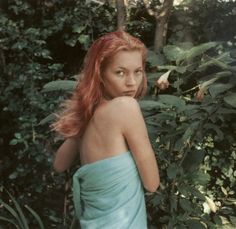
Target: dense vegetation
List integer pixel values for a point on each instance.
(189, 110)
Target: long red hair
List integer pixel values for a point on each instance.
(72, 120)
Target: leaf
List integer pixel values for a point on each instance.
(8, 220)
(172, 101)
(154, 59)
(180, 69)
(200, 49)
(71, 42)
(64, 85)
(204, 85)
(174, 53)
(189, 133)
(218, 131)
(213, 62)
(233, 53)
(20, 212)
(216, 89)
(232, 220)
(150, 104)
(211, 204)
(195, 224)
(200, 177)
(185, 205)
(48, 119)
(193, 159)
(78, 28)
(197, 193)
(36, 216)
(83, 39)
(11, 210)
(172, 171)
(13, 175)
(173, 202)
(13, 142)
(231, 99)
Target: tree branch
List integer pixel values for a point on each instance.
(121, 14)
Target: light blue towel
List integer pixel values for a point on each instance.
(108, 194)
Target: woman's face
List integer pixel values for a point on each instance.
(123, 74)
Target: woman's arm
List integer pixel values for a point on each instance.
(135, 132)
(66, 155)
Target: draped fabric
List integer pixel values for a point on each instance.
(108, 194)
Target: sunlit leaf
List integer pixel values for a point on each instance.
(64, 85)
(211, 204)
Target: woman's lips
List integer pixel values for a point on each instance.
(129, 92)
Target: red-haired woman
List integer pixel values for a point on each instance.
(104, 126)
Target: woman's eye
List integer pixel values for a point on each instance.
(138, 72)
(120, 73)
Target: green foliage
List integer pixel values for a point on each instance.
(41, 41)
(18, 218)
(194, 139)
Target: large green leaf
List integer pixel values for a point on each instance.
(200, 49)
(64, 85)
(151, 104)
(231, 99)
(174, 53)
(172, 100)
(217, 88)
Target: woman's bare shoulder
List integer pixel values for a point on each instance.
(119, 107)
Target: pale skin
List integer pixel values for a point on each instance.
(117, 125)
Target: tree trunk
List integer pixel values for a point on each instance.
(161, 15)
(121, 14)
(162, 18)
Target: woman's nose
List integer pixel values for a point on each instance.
(130, 80)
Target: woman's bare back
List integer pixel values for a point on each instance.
(103, 137)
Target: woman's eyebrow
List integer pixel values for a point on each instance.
(124, 68)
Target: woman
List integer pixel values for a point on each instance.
(104, 125)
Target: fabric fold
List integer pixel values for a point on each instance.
(108, 194)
